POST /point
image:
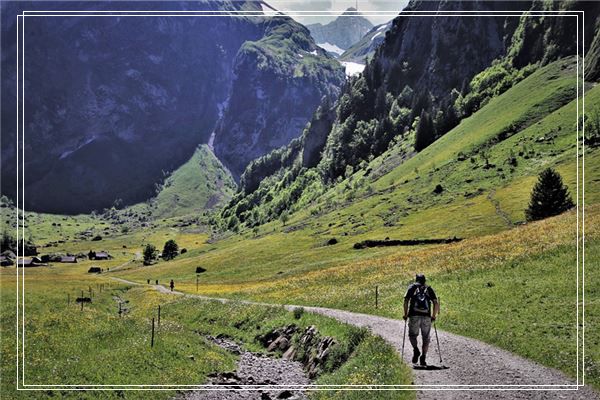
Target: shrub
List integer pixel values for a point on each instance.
(298, 312)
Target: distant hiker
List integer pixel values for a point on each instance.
(148, 281)
(157, 281)
(417, 308)
(172, 285)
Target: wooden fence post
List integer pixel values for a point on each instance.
(376, 296)
(68, 298)
(159, 315)
(82, 300)
(152, 340)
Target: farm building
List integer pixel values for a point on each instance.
(68, 259)
(29, 262)
(102, 255)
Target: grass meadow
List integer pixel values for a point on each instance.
(65, 345)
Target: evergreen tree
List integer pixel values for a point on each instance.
(424, 135)
(170, 250)
(549, 197)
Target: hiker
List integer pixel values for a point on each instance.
(417, 308)
(172, 285)
(148, 281)
(157, 281)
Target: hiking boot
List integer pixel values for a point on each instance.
(416, 354)
(422, 361)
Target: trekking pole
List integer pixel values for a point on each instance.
(438, 342)
(403, 339)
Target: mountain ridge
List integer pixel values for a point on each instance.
(344, 31)
(111, 83)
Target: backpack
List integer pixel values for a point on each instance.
(420, 299)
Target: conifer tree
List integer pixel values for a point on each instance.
(549, 197)
(424, 135)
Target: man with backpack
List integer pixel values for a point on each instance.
(418, 310)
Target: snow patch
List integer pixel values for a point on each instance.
(377, 34)
(314, 52)
(332, 48)
(353, 68)
(382, 27)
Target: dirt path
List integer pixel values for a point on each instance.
(470, 362)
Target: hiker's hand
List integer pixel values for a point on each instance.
(404, 317)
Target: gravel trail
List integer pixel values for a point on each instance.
(469, 362)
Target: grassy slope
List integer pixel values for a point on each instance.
(200, 184)
(290, 264)
(404, 206)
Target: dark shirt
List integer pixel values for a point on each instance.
(409, 294)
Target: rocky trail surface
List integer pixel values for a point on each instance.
(476, 370)
(253, 369)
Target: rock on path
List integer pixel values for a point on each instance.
(470, 362)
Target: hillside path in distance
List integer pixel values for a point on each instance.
(469, 362)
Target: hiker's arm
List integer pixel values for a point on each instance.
(405, 308)
(436, 309)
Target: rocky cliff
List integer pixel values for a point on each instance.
(114, 103)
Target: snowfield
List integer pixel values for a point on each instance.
(353, 68)
(332, 48)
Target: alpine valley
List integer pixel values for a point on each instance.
(234, 158)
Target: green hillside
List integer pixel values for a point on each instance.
(484, 190)
(202, 183)
(487, 166)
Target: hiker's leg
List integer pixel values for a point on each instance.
(425, 330)
(413, 331)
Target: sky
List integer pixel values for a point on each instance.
(338, 5)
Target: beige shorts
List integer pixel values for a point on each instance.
(418, 323)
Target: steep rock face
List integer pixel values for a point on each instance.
(275, 91)
(342, 32)
(112, 103)
(548, 38)
(436, 54)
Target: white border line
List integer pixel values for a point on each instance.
(24, 13)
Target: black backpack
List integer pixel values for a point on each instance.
(421, 300)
